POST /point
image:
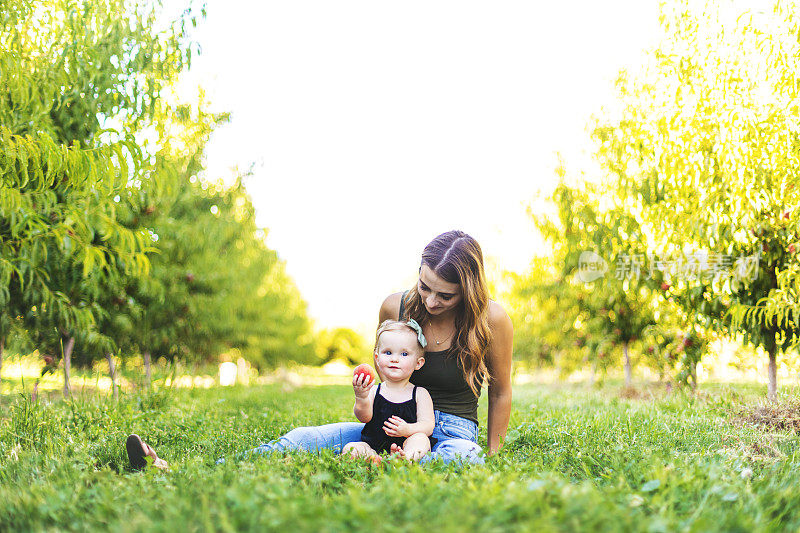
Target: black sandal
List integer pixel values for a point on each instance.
(136, 452)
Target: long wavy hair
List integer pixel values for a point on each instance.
(456, 258)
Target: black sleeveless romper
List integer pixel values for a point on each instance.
(382, 410)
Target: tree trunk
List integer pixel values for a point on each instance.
(113, 373)
(2, 346)
(68, 364)
(628, 377)
(593, 375)
(147, 372)
(772, 390)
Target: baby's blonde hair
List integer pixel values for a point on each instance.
(396, 325)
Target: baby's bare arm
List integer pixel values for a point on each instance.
(425, 418)
(365, 394)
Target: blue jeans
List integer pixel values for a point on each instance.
(456, 439)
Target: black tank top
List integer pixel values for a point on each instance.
(383, 410)
(443, 377)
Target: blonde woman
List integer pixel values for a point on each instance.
(470, 339)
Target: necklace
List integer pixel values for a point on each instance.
(434, 338)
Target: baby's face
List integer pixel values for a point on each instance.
(399, 354)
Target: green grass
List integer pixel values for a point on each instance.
(576, 459)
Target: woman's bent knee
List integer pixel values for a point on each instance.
(462, 450)
(298, 435)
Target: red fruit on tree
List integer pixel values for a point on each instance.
(665, 286)
(791, 248)
(365, 370)
(786, 215)
(650, 349)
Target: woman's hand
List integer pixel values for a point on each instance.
(397, 427)
(361, 385)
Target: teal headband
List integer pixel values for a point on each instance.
(420, 337)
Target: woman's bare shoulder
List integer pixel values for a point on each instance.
(498, 318)
(390, 307)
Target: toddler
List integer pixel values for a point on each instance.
(398, 415)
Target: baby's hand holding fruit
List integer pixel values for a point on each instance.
(362, 381)
(364, 370)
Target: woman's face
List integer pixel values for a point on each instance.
(438, 295)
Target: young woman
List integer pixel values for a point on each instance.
(470, 338)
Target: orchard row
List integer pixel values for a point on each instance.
(111, 241)
(702, 158)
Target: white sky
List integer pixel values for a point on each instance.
(374, 126)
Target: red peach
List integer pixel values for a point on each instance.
(365, 370)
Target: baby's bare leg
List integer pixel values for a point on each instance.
(416, 446)
(358, 449)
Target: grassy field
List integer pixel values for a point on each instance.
(576, 459)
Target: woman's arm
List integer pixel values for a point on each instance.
(498, 361)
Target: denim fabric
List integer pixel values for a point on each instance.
(456, 436)
(315, 438)
(457, 440)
